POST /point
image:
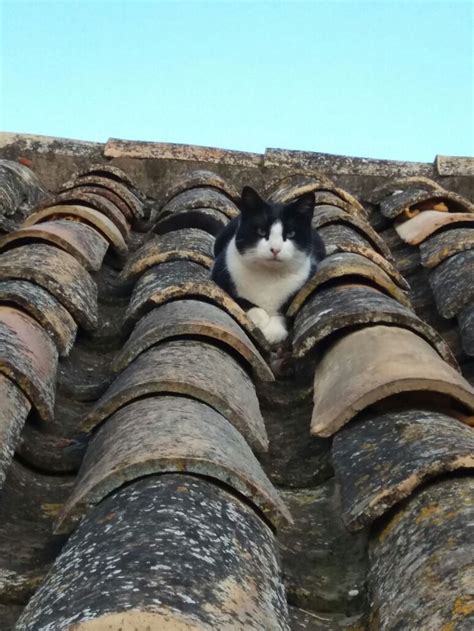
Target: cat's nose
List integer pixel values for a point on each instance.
(275, 251)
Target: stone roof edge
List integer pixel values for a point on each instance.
(307, 161)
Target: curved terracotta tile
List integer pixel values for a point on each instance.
(43, 307)
(330, 215)
(191, 244)
(198, 558)
(442, 245)
(83, 214)
(374, 363)
(208, 219)
(452, 283)
(191, 318)
(203, 197)
(421, 560)
(29, 358)
(184, 279)
(198, 179)
(14, 409)
(190, 368)
(410, 199)
(347, 265)
(59, 273)
(336, 309)
(381, 460)
(174, 434)
(84, 243)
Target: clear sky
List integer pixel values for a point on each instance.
(372, 79)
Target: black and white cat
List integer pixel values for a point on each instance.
(264, 256)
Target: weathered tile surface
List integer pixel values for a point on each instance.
(421, 561)
(398, 203)
(360, 362)
(442, 245)
(59, 273)
(208, 219)
(203, 197)
(184, 279)
(97, 202)
(198, 179)
(43, 307)
(190, 244)
(29, 358)
(191, 368)
(169, 434)
(381, 460)
(14, 408)
(331, 215)
(89, 216)
(191, 318)
(345, 265)
(333, 309)
(419, 228)
(466, 326)
(79, 239)
(166, 552)
(453, 283)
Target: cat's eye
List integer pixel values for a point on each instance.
(261, 232)
(290, 235)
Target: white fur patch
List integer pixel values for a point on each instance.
(275, 331)
(263, 280)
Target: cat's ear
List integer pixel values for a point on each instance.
(304, 205)
(251, 200)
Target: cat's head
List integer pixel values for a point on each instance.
(275, 234)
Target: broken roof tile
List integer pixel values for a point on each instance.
(208, 561)
(169, 434)
(381, 460)
(191, 368)
(192, 318)
(375, 363)
(59, 273)
(419, 228)
(43, 307)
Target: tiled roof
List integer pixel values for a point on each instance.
(166, 467)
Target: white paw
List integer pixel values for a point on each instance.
(275, 331)
(259, 317)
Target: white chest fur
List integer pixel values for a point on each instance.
(268, 287)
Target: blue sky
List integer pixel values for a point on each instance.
(375, 79)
